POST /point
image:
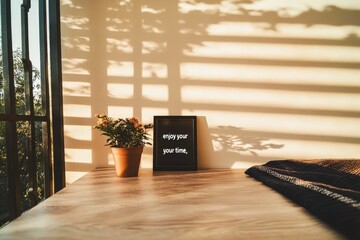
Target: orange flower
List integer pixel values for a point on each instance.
(102, 122)
(100, 115)
(134, 120)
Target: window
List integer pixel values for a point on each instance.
(31, 165)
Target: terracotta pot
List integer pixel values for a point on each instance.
(127, 161)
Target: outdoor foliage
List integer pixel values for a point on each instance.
(23, 138)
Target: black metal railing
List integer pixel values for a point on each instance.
(31, 142)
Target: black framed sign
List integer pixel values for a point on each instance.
(175, 146)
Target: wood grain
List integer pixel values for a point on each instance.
(207, 204)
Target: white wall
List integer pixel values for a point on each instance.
(268, 79)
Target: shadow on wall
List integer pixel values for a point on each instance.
(236, 147)
(264, 78)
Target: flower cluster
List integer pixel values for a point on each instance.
(123, 133)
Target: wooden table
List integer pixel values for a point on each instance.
(211, 204)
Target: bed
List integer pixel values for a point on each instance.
(204, 204)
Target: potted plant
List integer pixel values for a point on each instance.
(126, 138)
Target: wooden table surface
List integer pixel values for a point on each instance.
(206, 204)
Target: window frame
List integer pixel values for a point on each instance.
(51, 118)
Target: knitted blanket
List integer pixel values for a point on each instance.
(328, 189)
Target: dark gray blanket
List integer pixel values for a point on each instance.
(329, 189)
